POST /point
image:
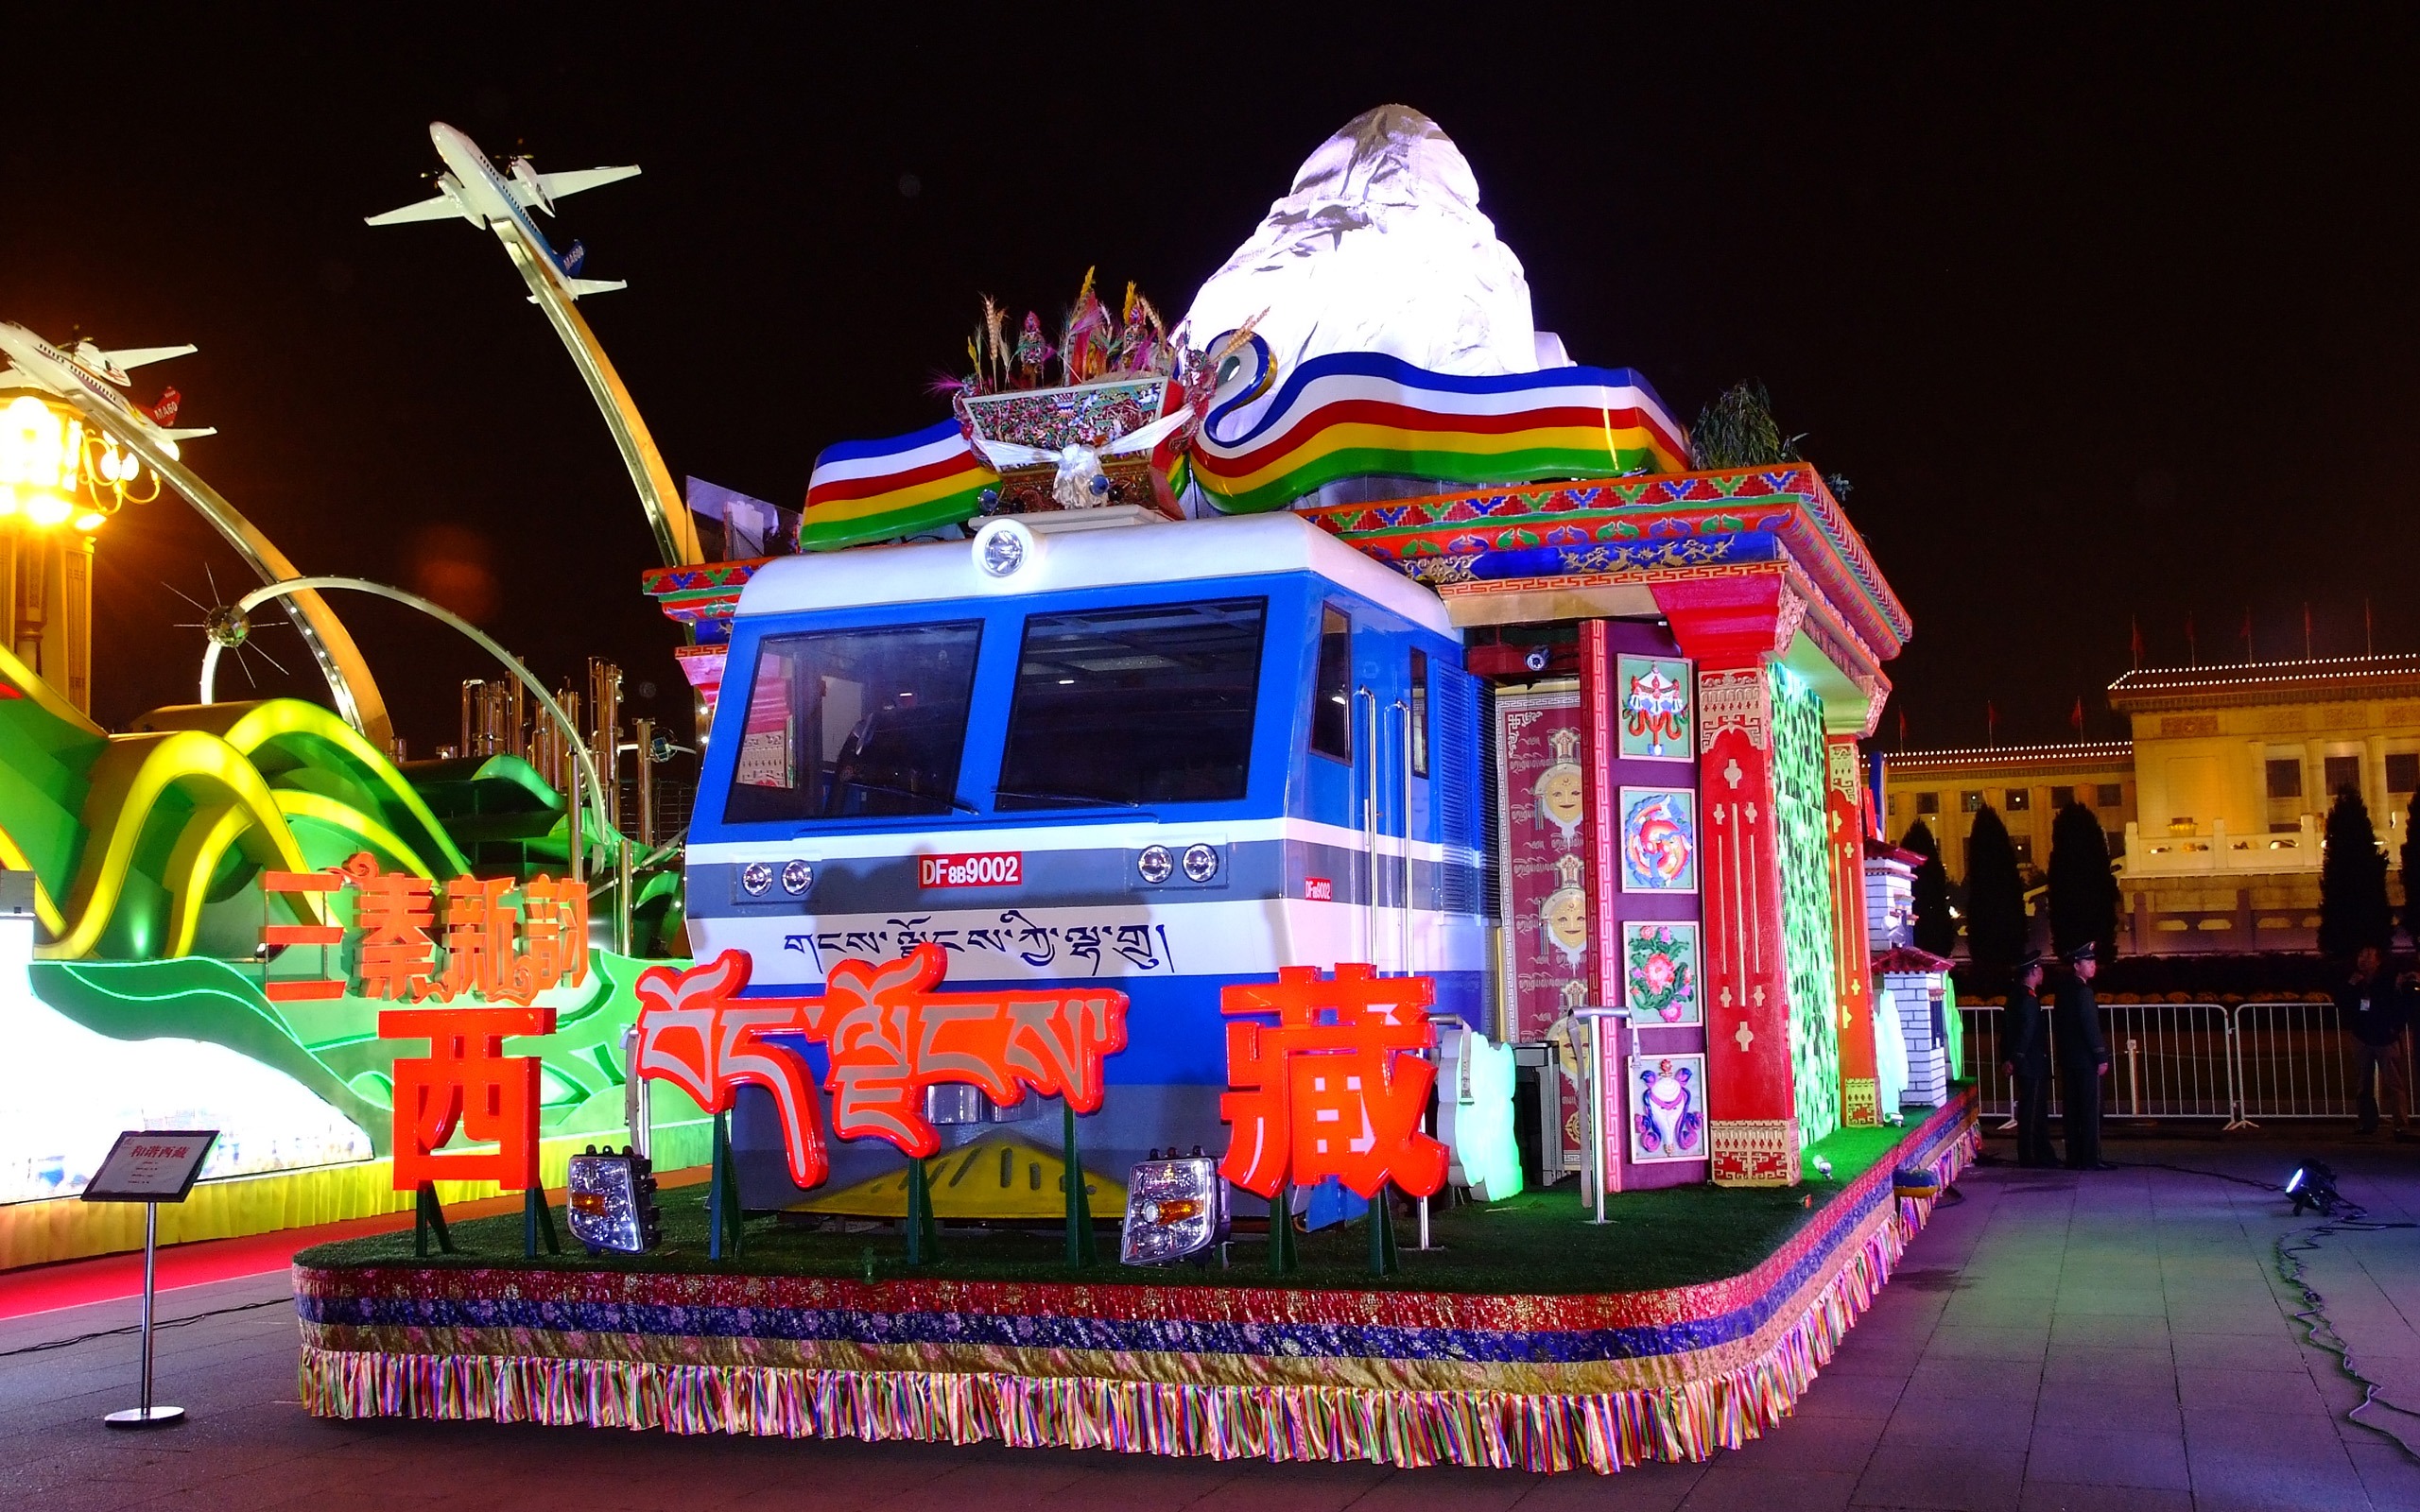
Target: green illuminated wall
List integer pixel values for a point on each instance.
(1807, 906)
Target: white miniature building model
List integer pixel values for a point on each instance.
(1913, 982)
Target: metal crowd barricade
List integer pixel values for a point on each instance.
(1995, 1094)
(2292, 1060)
(2165, 1060)
(2256, 1060)
(2169, 1060)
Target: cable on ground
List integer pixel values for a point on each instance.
(2289, 1251)
(137, 1327)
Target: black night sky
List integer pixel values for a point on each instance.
(2102, 317)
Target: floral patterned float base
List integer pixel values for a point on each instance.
(1534, 1383)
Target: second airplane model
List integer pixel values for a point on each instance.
(89, 377)
(472, 188)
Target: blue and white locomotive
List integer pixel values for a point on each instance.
(1088, 748)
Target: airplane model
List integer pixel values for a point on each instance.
(472, 188)
(89, 377)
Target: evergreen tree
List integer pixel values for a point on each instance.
(2410, 855)
(2352, 883)
(1936, 930)
(1996, 923)
(2084, 892)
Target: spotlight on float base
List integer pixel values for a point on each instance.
(2313, 1186)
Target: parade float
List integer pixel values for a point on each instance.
(1291, 778)
(1324, 790)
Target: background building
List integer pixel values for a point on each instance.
(2215, 808)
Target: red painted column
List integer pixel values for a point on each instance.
(1844, 822)
(1732, 627)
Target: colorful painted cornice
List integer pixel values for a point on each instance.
(1636, 526)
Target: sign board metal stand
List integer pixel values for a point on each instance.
(1604, 1030)
(150, 1167)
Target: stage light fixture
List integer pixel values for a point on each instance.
(2313, 1186)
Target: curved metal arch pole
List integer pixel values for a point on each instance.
(350, 687)
(295, 587)
(676, 530)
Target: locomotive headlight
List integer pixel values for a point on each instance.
(1156, 863)
(756, 878)
(1200, 863)
(797, 877)
(1003, 547)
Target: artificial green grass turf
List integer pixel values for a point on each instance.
(1539, 1241)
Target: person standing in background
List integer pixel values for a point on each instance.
(2375, 1009)
(2026, 1059)
(2083, 1059)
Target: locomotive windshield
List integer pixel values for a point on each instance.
(1134, 706)
(851, 723)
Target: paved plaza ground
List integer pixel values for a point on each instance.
(2115, 1340)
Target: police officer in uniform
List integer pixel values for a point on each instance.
(2026, 1057)
(2083, 1059)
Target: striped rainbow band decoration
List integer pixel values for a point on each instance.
(863, 492)
(1534, 1383)
(1345, 414)
(1360, 414)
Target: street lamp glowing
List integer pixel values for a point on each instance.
(53, 469)
(32, 445)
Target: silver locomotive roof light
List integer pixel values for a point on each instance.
(756, 878)
(797, 876)
(1156, 863)
(1002, 547)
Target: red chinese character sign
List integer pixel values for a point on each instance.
(889, 1034)
(1334, 1086)
(491, 952)
(467, 1083)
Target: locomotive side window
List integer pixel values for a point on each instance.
(1420, 714)
(1133, 706)
(850, 723)
(1332, 692)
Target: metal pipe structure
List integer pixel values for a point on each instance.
(296, 586)
(642, 743)
(668, 514)
(351, 688)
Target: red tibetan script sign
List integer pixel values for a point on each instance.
(889, 1034)
(990, 868)
(1335, 1087)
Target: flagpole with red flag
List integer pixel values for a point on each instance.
(2076, 719)
(2135, 637)
(1991, 723)
(2192, 646)
(2247, 636)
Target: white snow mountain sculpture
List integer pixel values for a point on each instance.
(1380, 246)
